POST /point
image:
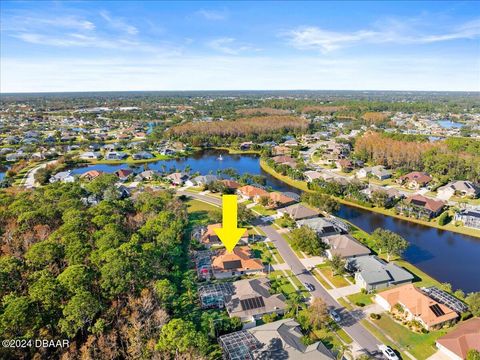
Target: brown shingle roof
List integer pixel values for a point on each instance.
(427, 203)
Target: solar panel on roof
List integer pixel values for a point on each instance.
(252, 303)
(437, 310)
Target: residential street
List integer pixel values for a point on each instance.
(349, 322)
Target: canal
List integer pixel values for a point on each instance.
(448, 257)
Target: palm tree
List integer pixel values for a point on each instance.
(344, 351)
(294, 303)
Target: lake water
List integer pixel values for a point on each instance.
(447, 256)
(448, 124)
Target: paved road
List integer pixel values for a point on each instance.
(29, 179)
(349, 322)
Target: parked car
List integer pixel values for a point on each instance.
(334, 315)
(388, 352)
(309, 287)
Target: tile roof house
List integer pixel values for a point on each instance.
(123, 174)
(238, 262)
(372, 273)
(91, 174)
(209, 237)
(312, 175)
(421, 206)
(415, 179)
(461, 188)
(456, 343)
(321, 226)
(277, 200)
(251, 299)
(345, 246)
(251, 192)
(298, 212)
(177, 178)
(230, 184)
(280, 339)
(285, 160)
(417, 306)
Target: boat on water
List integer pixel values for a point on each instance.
(220, 158)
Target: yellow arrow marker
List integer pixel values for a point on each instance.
(229, 234)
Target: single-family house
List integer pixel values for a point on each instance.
(320, 225)
(470, 218)
(298, 212)
(312, 175)
(251, 299)
(142, 155)
(372, 273)
(459, 188)
(146, 175)
(417, 306)
(209, 237)
(252, 192)
(345, 246)
(63, 176)
(115, 155)
(285, 160)
(246, 145)
(91, 174)
(282, 339)
(290, 143)
(415, 180)
(456, 344)
(281, 150)
(231, 184)
(201, 180)
(177, 178)
(380, 172)
(420, 206)
(91, 155)
(278, 200)
(236, 263)
(345, 165)
(123, 174)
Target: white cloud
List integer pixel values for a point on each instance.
(213, 15)
(229, 46)
(316, 38)
(119, 24)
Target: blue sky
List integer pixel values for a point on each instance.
(115, 46)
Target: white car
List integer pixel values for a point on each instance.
(388, 352)
(334, 315)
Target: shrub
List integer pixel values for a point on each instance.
(358, 303)
(374, 316)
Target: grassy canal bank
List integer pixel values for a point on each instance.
(302, 185)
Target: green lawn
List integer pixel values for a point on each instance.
(260, 250)
(275, 252)
(262, 211)
(365, 299)
(337, 280)
(199, 212)
(419, 345)
(344, 303)
(289, 241)
(321, 280)
(286, 288)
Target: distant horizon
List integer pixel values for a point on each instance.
(239, 91)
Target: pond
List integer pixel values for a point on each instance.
(449, 124)
(447, 256)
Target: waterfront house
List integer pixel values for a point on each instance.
(209, 237)
(278, 200)
(415, 305)
(63, 176)
(281, 150)
(123, 174)
(251, 299)
(420, 206)
(246, 145)
(236, 263)
(470, 218)
(459, 188)
(345, 246)
(201, 180)
(285, 160)
(321, 226)
(231, 184)
(414, 180)
(114, 155)
(91, 174)
(312, 175)
(177, 179)
(282, 339)
(298, 212)
(146, 175)
(142, 155)
(372, 273)
(91, 155)
(252, 193)
(456, 344)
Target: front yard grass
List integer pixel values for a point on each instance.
(419, 345)
(361, 298)
(263, 211)
(260, 249)
(336, 280)
(321, 280)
